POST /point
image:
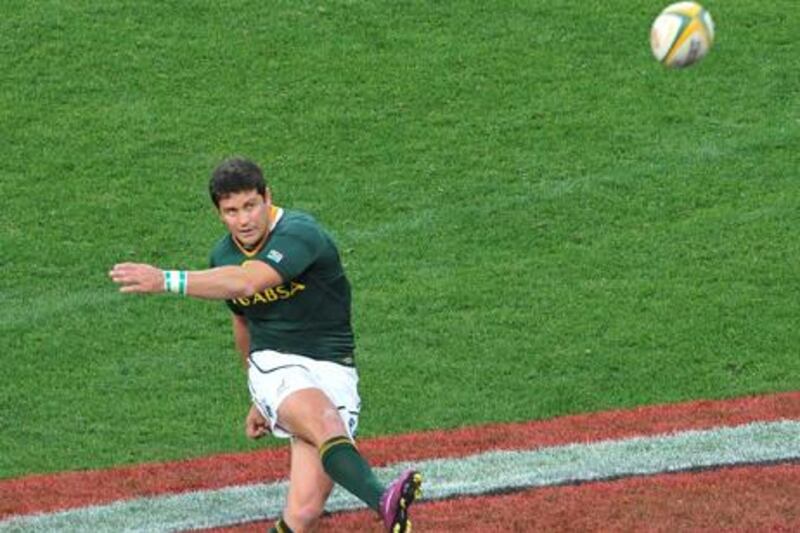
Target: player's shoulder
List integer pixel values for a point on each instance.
(298, 217)
(223, 244)
(294, 221)
(221, 248)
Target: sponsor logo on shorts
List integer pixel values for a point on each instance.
(282, 387)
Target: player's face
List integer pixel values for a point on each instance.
(245, 214)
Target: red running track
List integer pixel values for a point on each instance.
(521, 511)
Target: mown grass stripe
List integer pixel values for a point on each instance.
(483, 473)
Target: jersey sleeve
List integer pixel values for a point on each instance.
(292, 252)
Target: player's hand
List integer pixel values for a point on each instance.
(137, 277)
(256, 426)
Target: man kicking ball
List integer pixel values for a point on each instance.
(281, 276)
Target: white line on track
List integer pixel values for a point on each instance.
(482, 473)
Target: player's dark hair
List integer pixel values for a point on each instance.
(235, 175)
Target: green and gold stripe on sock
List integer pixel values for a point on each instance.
(332, 443)
(344, 464)
(280, 527)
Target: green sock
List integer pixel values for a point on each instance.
(347, 467)
(280, 527)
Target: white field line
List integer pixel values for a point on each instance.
(472, 475)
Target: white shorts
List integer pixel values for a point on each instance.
(273, 376)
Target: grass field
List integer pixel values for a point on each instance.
(537, 218)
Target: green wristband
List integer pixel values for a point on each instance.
(175, 281)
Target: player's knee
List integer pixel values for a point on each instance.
(303, 517)
(332, 423)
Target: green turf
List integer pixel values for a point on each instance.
(538, 219)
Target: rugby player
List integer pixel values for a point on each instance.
(281, 276)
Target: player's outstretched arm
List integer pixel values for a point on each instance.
(222, 283)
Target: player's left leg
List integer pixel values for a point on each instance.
(397, 498)
(309, 488)
(297, 394)
(309, 415)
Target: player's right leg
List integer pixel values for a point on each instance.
(309, 488)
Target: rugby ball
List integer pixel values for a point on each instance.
(682, 34)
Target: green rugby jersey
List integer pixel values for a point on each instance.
(309, 313)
